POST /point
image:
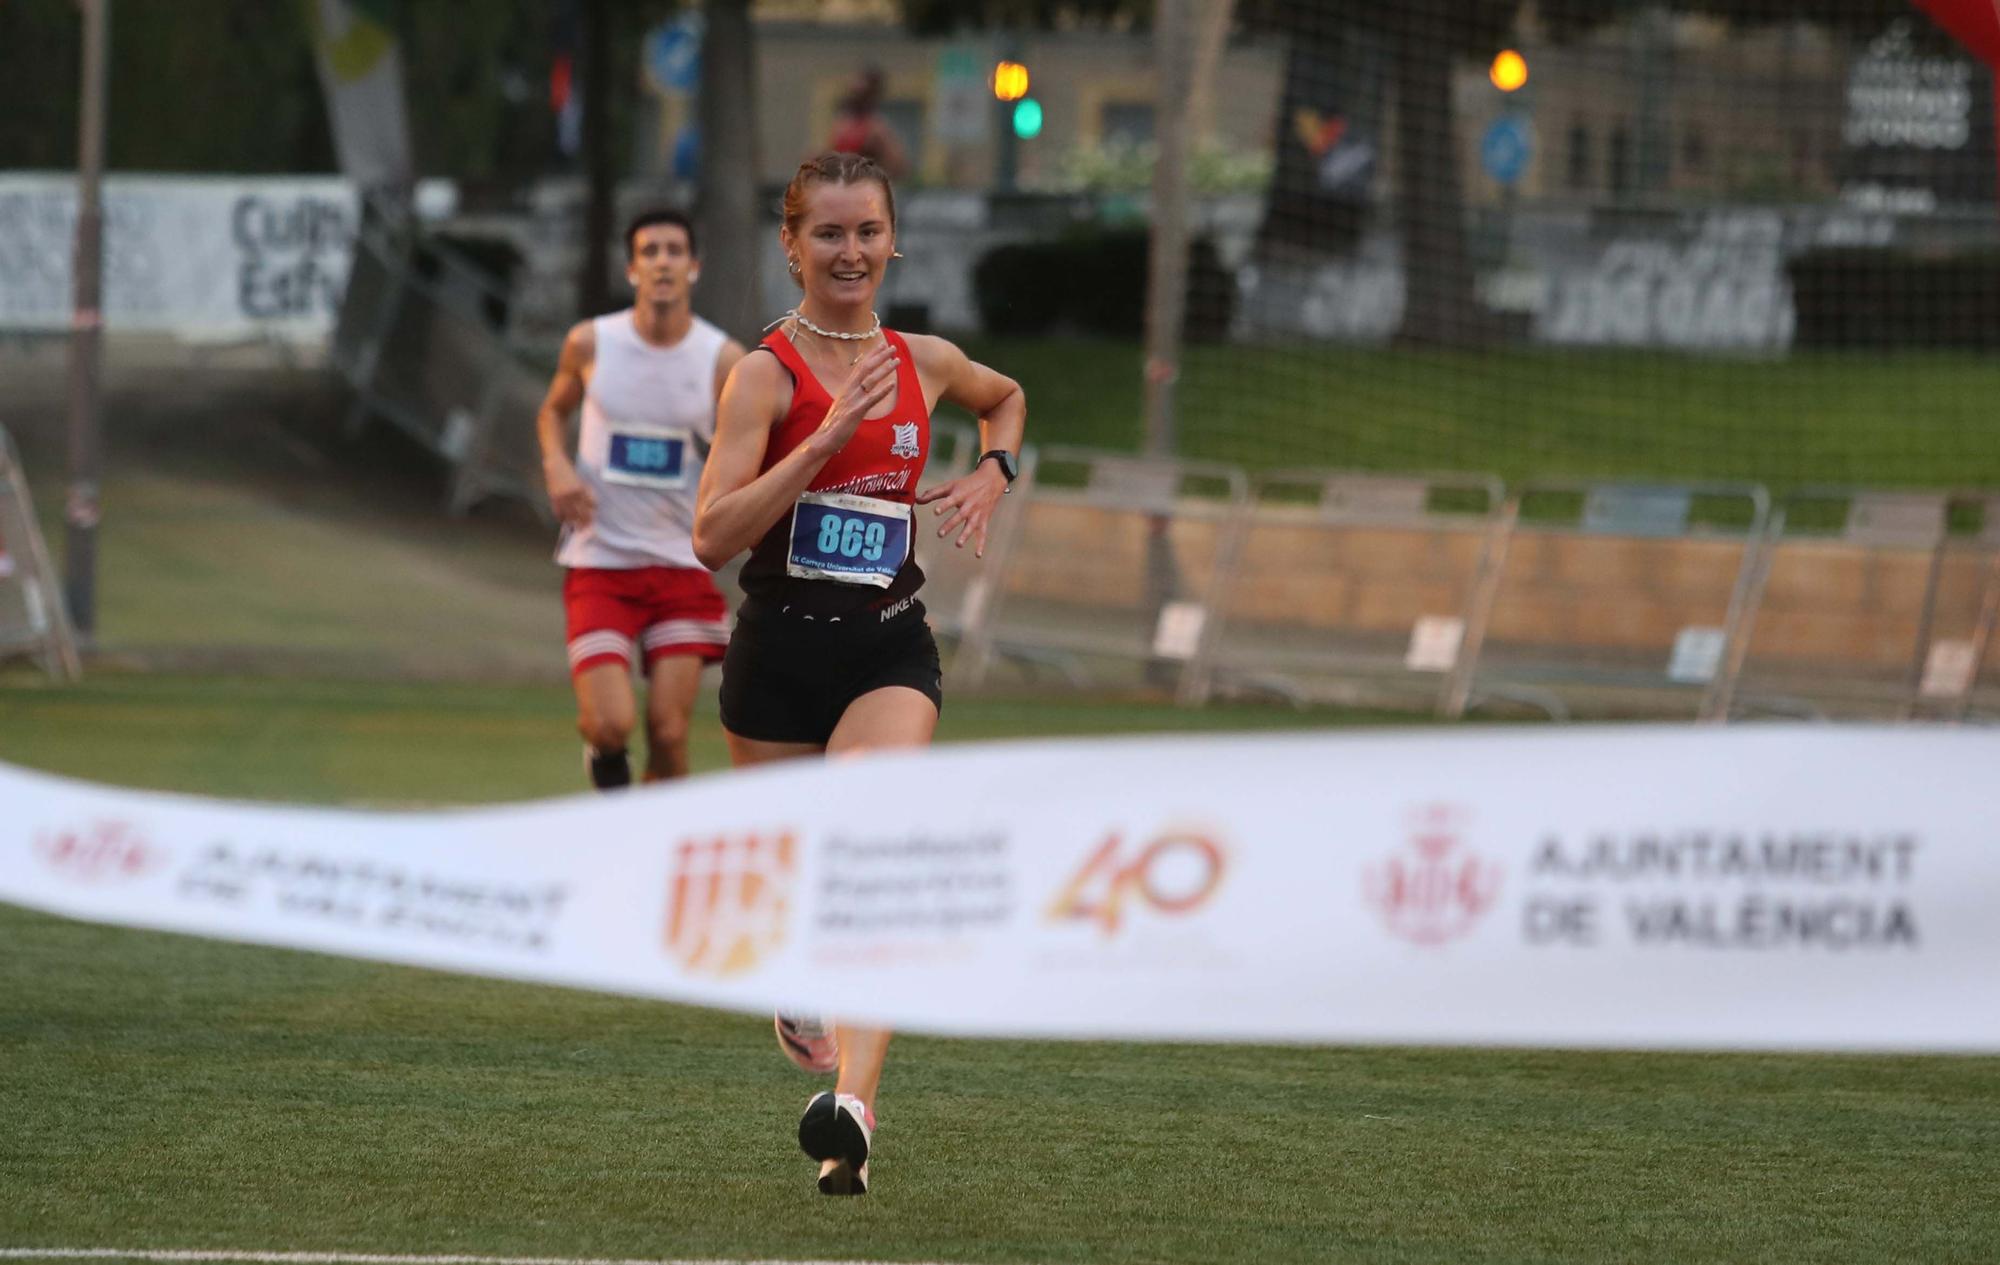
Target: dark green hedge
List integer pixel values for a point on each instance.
(1095, 282)
(1873, 297)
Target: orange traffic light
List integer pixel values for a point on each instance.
(1010, 81)
(1509, 71)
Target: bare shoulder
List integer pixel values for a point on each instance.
(935, 357)
(758, 371)
(580, 344)
(761, 381)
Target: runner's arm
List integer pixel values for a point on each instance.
(736, 505)
(568, 497)
(966, 504)
(725, 360)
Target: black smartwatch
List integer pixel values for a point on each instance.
(1008, 466)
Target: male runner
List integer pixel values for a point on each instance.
(647, 379)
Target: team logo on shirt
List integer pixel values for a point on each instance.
(729, 900)
(905, 442)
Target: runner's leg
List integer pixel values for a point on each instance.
(671, 684)
(892, 717)
(605, 713)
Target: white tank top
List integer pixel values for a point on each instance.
(648, 419)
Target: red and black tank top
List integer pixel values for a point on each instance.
(882, 461)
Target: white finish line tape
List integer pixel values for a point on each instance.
(1761, 887)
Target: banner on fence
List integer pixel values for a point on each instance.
(200, 258)
(1650, 887)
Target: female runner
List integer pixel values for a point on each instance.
(820, 435)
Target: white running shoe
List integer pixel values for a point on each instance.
(808, 1041)
(836, 1130)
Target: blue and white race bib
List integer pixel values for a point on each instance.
(852, 539)
(649, 456)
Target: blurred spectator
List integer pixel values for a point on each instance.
(859, 128)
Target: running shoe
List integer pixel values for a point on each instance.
(835, 1131)
(808, 1041)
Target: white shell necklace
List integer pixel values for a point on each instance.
(841, 335)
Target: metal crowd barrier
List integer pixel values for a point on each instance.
(1110, 567)
(958, 585)
(1355, 588)
(1874, 605)
(422, 342)
(1622, 598)
(34, 619)
(1955, 677)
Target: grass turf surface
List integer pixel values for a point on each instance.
(1915, 418)
(163, 1091)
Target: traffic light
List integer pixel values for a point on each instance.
(1010, 81)
(1027, 118)
(1509, 71)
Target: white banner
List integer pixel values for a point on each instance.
(201, 258)
(1797, 888)
(354, 47)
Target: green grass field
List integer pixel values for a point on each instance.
(1918, 419)
(165, 1092)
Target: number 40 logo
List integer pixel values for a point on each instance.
(1176, 873)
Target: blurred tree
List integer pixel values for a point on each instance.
(194, 86)
(1420, 42)
(475, 74)
(727, 215)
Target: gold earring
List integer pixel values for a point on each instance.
(895, 254)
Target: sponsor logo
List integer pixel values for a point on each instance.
(910, 896)
(1704, 888)
(729, 901)
(904, 443)
(1436, 891)
(359, 892)
(1176, 873)
(869, 484)
(894, 609)
(102, 852)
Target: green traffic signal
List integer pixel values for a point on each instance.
(1027, 118)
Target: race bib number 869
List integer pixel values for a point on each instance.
(851, 539)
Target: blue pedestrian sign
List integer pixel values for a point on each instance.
(673, 54)
(1506, 148)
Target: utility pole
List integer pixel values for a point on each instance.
(1006, 142)
(1166, 283)
(1166, 273)
(600, 180)
(86, 333)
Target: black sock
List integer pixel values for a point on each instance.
(610, 770)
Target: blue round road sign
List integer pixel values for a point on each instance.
(673, 54)
(1506, 148)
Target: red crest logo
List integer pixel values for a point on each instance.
(728, 901)
(1437, 891)
(102, 852)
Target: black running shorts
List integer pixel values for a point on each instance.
(788, 677)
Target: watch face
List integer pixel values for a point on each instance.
(1007, 464)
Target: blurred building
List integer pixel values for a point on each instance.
(1095, 90)
(1658, 108)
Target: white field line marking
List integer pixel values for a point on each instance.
(345, 1258)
